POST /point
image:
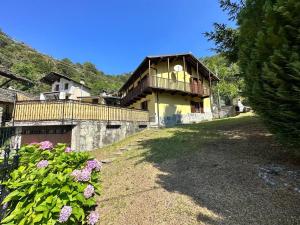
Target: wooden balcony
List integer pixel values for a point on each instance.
(62, 110)
(147, 84)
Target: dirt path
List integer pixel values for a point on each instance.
(198, 174)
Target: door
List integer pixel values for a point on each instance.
(194, 85)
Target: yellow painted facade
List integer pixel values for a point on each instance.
(165, 104)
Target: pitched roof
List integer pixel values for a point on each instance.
(189, 57)
(51, 77)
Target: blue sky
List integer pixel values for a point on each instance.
(115, 35)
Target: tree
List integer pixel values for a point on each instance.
(268, 53)
(231, 83)
(269, 57)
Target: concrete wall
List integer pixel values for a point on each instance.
(89, 135)
(225, 111)
(183, 119)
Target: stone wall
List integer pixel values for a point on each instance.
(89, 135)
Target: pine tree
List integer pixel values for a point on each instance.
(269, 57)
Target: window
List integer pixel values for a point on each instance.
(56, 87)
(196, 107)
(66, 86)
(144, 105)
(143, 126)
(95, 101)
(113, 126)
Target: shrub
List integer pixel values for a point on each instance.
(52, 186)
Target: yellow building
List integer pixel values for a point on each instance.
(173, 88)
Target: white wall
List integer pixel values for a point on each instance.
(74, 90)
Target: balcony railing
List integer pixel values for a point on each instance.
(74, 110)
(146, 83)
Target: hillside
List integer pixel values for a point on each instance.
(29, 63)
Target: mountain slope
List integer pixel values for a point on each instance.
(29, 63)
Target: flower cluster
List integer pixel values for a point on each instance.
(42, 164)
(68, 149)
(85, 173)
(89, 191)
(46, 145)
(65, 213)
(81, 175)
(93, 165)
(93, 218)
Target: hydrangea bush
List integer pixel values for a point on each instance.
(53, 185)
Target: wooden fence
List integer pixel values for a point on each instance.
(74, 110)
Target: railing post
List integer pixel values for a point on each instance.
(72, 119)
(14, 110)
(63, 112)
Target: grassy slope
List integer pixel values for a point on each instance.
(196, 174)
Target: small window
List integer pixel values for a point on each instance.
(144, 105)
(111, 126)
(66, 86)
(95, 101)
(143, 126)
(57, 87)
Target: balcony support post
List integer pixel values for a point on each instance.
(150, 77)
(210, 92)
(199, 88)
(184, 72)
(168, 72)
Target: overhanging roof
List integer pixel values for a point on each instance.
(7, 74)
(51, 77)
(188, 57)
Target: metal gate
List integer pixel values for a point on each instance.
(9, 159)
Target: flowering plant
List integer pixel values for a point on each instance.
(53, 185)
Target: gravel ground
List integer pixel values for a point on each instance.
(210, 173)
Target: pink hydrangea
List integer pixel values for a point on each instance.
(65, 213)
(85, 175)
(93, 164)
(68, 149)
(76, 174)
(46, 145)
(42, 164)
(89, 191)
(81, 175)
(93, 218)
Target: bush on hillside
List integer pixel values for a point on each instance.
(53, 185)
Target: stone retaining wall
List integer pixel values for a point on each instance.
(89, 135)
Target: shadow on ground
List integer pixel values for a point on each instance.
(216, 164)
